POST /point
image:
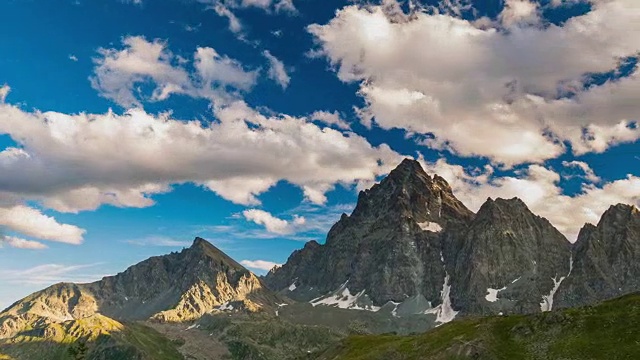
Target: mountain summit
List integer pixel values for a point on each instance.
(412, 244)
(171, 288)
(606, 259)
(408, 192)
(410, 252)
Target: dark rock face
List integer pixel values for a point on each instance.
(195, 280)
(606, 259)
(300, 264)
(509, 249)
(409, 234)
(390, 246)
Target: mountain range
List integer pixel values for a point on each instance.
(409, 256)
(411, 244)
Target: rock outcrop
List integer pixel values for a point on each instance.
(606, 259)
(412, 245)
(390, 249)
(174, 288)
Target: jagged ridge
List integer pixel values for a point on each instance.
(175, 287)
(410, 240)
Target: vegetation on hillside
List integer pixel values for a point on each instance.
(609, 331)
(90, 339)
(269, 338)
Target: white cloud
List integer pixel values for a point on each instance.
(235, 26)
(277, 71)
(227, 8)
(519, 13)
(239, 157)
(216, 70)
(538, 187)
(268, 6)
(21, 243)
(48, 274)
(73, 58)
(330, 118)
(259, 264)
(588, 172)
(119, 72)
(470, 86)
(31, 222)
(271, 223)
(4, 91)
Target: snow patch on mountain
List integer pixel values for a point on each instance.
(492, 294)
(547, 300)
(430, 226)
(444, 312)
(224, 307)
(343, 299)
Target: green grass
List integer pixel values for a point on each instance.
(269, 338)
(608, 331)
(105, 339)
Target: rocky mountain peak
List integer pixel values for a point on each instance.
(606, 259)
(408, 170)
(501, 205)
(204, 248)
(619, 214)
(409, 192)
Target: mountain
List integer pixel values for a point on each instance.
(510, 261)
(390, 249)
(410, 257)
(606, 331)
(177, 287)
(411, 245)
(606, 259)
(94, 337)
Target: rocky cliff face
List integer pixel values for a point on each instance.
(511, 261)
(176, 287)
(410, 244)
(388, 250)
(606, 259)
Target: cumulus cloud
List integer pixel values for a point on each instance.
(538, 187)
(271, 223)
(33, 223)
(259, 264)
(20, 243)
(68, 162)
(227, 9)
(519, 13)
(330, 118)
(216, 70)
(588, 173)
(277, 71)
(235, 26)
(4, 91)
(119, 72)
(269, 6)
(466, 86)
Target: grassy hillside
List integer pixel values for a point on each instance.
(102, 338)
(268, 338)
(609, 331)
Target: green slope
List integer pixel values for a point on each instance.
(257, 337)
(609, 331)
(103, 338)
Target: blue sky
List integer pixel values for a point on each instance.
(127, 128)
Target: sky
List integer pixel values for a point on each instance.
(127, 128)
